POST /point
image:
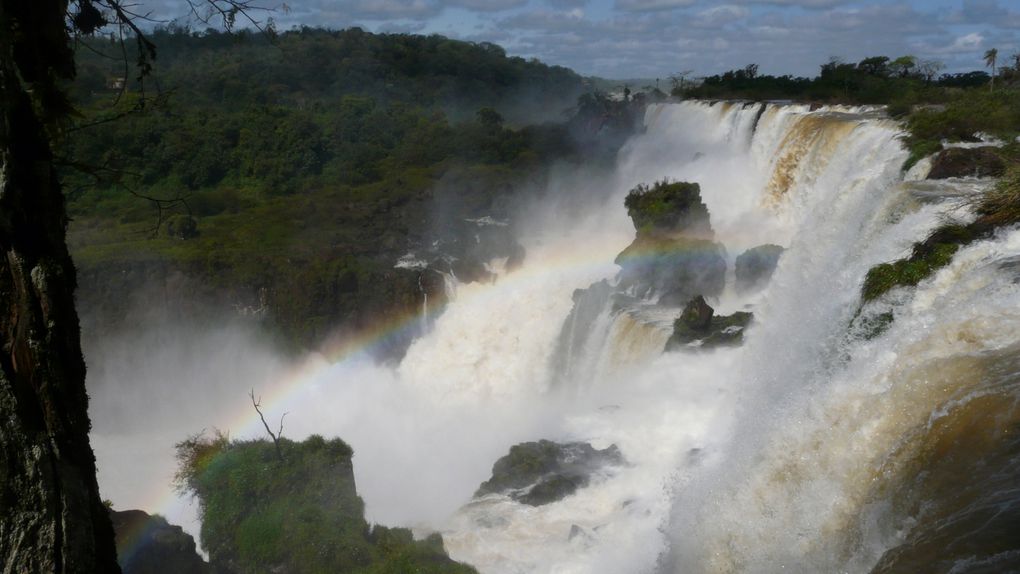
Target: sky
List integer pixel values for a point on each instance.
(658, 38)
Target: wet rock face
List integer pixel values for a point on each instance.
(673, 255)
(148, 544)
(967, 162)
(755, 266)
(588, 305)
(697, 314)
(675, 269)
(542, 472)
(699, 328)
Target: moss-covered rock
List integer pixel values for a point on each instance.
(911, 271)
(699, 328)
(673, 256)
(669, 207)
(926, 257)
(299, 515)
(755, 266)
(967, 162)
(148, 544)
(997, 208)
(538, 473)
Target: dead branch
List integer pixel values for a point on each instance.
(275, 436)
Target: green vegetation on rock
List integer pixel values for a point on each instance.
(909, 271)
(960, 118)
(997, 208)
(668, 207)
(301, 514)
(673, 254)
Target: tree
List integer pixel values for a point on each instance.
(929, 69)
(52, 518)
(990, 57)
(679, 82)
(875, 66)
(903, 65)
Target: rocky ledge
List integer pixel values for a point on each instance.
(983, 161)
(699, 328)
(542, 472)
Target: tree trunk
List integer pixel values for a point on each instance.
(51, 516)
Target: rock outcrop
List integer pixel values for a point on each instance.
(699, 328)
(301, 512)
(669, 207)
(542, 472)
(673, 256)
(755, 266)
(148, 544)
(672, 259)
(982, 161)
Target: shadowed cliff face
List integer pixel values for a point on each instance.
(51, 516)
(148, 544)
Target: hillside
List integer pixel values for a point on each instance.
(283, 180)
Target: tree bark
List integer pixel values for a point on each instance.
(52, 518)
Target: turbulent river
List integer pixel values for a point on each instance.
(810, 448)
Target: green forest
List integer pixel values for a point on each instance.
(290, 172)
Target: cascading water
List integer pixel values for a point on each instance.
(734, 453)
(809, 448)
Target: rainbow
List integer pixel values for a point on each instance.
(563, 262)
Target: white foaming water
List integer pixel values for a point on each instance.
(816, 182)
(757, 458)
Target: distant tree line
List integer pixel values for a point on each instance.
(905, 80)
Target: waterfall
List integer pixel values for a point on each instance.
(766, 457)
(810, 448)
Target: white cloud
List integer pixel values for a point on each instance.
(651, 5)
(487, 5)
(718, 16)
(972, 42)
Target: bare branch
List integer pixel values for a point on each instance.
(228, 10)
(276, 437)
(279, 433)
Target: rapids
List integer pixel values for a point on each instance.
(808, 449)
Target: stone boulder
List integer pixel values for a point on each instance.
(982, 161)
(542, 472)
(755, 266)
(148, 544)
(699, 328)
